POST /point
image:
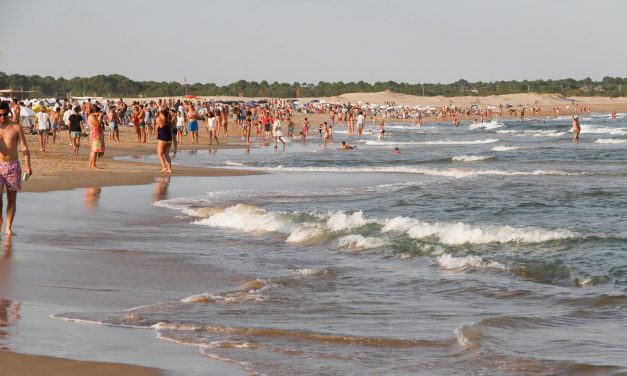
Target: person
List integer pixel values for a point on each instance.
(55, 122)
(164, 137)
(192, 123)
(247, 123)
(138, 131)
(328, 133)
(11, 134)
(43, 126)
(276, 132)
(66, 120)
(613, 115)
(346, 146)
(382, 130)
(360, 123)
(75, 121)
(576, 128)
(114, 128)
(141, 118)
(96, 136)
(305, 130)
(397, 150)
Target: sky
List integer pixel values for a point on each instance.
(413, 41)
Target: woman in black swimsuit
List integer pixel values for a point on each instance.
(164, 137)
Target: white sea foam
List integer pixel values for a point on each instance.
(461, 233)
(249, 218)
(470, 158)
(449, 172)
(339, 221)
(444, 142)
(488, 125)
(448, 262)
(505, 148)
(591, 128)
(360, 242)
(610, 141)
(309, 272)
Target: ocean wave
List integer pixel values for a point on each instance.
(360, 242)
(610, 141)
(470, 158)
(448, 262)
(488, 125)
(534, 132)
(605, 130)
(505, 148)
(445, 142)
(449, 172)
(317, 227)
(249, 291)
(461, 233)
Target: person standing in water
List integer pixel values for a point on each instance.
(164, 139)
(576, 128)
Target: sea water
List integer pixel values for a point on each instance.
(495, 248)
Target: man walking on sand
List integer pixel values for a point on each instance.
(11, 135)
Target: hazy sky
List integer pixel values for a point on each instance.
(317, 40)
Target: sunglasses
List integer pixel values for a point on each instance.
(4, 114)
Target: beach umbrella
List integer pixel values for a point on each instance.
(25, 111)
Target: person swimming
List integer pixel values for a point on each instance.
(347, 146)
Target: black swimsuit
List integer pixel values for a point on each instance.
(164, 134)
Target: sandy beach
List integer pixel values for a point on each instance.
(36, 277)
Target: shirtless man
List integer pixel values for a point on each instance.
(192, 123)
(11, 135)
(576, 128)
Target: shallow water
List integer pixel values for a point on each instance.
(497, 248)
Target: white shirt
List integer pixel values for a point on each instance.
(66, 117)
(360, 119)
(211, 123)
(43, 120)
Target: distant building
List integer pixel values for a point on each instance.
(18, 94)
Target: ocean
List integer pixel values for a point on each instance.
(495, 248)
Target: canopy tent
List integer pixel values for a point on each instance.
(26, 112)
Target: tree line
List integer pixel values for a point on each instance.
(116, 85)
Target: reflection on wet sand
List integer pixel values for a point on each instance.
(6, 253)
(161, 188)
(9, 315)
(92, 195)
(9, 311)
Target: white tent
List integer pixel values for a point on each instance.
(26, 112)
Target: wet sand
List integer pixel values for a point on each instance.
(23, 365)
